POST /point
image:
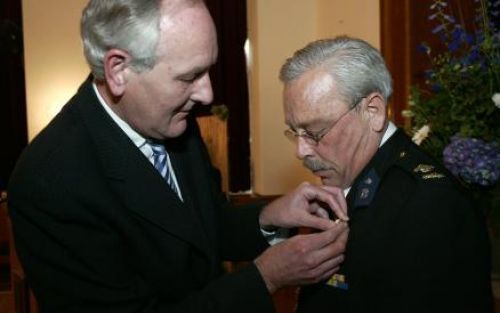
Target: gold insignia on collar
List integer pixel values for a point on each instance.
(423, 168)
(433, 175)
(402, 154)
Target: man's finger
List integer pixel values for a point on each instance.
(332, 253)
(322, 239)
(318, 222)
(322, 213)
(339, 200)
(331, 196)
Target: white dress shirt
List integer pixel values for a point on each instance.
(136, 138)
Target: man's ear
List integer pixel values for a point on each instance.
(377, 111)
(116, 63)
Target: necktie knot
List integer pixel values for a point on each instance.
(159, 158)
(161, 164)
(158, 148)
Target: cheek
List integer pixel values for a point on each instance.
(326, 154)
(331, 157)
(336, 149)
(174, 96)
(162, 103)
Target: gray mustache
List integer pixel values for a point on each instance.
(314, 165)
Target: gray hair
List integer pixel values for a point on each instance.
(357, 68)
(129, 25)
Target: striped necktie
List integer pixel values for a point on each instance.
(160, 162)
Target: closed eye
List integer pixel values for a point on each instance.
(190, 78)
(194, 75)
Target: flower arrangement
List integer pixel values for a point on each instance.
(457, 117)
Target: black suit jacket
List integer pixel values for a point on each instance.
(98, 230)
(417, 243)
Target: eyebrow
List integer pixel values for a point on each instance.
(305, 125)
(194, 71)
(197, 70)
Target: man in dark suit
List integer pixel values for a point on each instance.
(115, 205)
(417, 242)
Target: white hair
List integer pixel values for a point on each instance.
(357, 68)
(129, 25)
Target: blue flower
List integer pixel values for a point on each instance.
(473, 160)
(423, 48)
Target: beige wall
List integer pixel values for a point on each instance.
(54, 63)
(273, 34)
(276, 29)
(358, 18)
(55, 67)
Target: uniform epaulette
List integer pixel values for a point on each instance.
(424, 170)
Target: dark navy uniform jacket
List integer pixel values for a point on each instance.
(417, 241)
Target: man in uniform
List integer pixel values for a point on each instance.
(417, 241)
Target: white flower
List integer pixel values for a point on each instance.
(421, 134)
(407, 113)
(496, 99)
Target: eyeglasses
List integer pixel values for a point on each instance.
(313, 138)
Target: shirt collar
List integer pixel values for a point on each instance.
(391, 129)
(136, 138)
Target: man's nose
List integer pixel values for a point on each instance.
(303, 149)
(203, 92)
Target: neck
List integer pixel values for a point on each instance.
(366, 149)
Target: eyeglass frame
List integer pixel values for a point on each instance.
(313, 138)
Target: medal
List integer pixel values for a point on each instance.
(338, 281)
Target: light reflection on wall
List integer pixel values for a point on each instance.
(54, 62)
(46, 104)
(248, 54)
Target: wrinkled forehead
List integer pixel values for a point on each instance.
(309, 97)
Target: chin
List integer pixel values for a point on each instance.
(329, 181)
(176, 130)
(326, 182)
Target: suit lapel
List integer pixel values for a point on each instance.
(140, 187)
(187, 156)
(146, 193)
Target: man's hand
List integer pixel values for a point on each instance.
(303, 259)
(305, 207)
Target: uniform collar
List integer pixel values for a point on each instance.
(390, 130)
